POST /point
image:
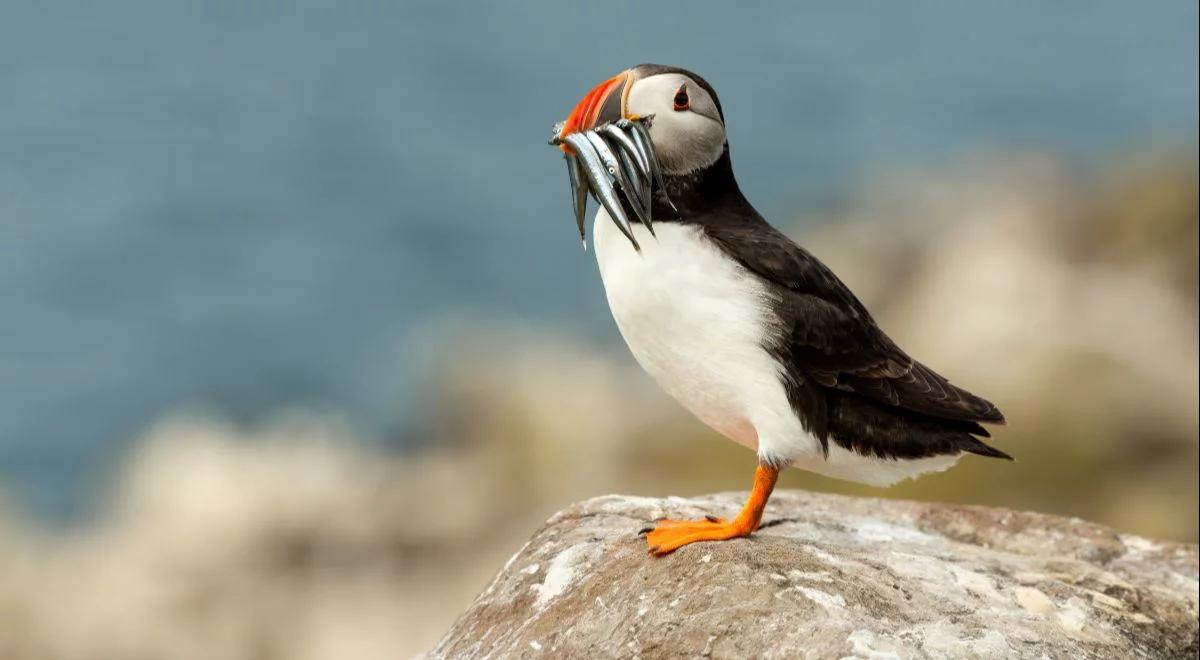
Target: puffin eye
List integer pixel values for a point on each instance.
(681, 100)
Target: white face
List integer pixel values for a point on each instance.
(687, 136)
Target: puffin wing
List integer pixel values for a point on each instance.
(829, 337)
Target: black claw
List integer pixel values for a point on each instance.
(712, 519)
(644, 531)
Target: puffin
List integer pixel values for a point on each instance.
(746, 329)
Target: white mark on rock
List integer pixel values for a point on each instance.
(862, 645)
(975, 583)
(828, 601)
(992, 645)
(918, 567)
(1190, 584)
(1073, 616)
(1028, 577)
(531, 569)
(945, 639)
(513, 558)
(824, 556)
(876, 531)
(1105, 600)
(802, 530)
(623, 504)
(535, 645)
(559, 574)
(1033, 600)
(811, 576)
(1140, 544)
(705, 559)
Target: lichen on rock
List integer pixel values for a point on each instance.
(833, 577)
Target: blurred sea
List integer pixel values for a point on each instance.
(243, 207)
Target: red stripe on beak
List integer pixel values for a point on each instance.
(587, 111)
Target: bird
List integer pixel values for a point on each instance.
(748, 330)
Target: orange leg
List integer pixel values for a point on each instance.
(670, 535)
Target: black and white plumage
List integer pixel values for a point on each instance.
(750, 332)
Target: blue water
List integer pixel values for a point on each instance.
(243, 206)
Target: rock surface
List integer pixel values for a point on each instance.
(833, 577)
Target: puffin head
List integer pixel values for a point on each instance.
(688, 127)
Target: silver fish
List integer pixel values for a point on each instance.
(606, 156)
(617, 131)
(638, 193)
(601, 181)
(613, 162)
(621, 182)
(641, 183)
(637, 169)
(641, 137)
(579, 195)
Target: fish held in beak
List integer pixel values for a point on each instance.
(601, 180)
(637, 171)
(610, 157)
(579, 194)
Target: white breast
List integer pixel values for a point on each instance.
(697, 322)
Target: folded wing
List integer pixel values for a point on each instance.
(848, 380)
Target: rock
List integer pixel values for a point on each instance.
(833, 577)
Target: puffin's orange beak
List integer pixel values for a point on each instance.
(605, 103)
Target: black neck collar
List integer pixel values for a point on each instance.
(700, 192)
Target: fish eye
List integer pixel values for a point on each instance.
(681, 100)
